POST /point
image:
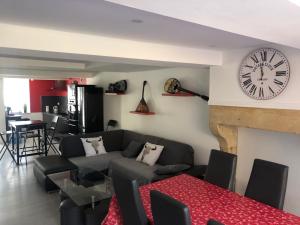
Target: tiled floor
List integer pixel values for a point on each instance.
(22, 200)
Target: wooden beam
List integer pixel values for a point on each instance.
(225, 120)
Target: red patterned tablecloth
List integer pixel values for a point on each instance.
(207, 201)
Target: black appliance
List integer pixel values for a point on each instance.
(85, 108)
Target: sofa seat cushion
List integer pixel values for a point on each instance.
(137, 170)
(97, 162)
(53, 164)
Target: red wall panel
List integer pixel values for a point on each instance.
(40, 88)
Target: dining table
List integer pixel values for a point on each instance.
(17, 127)
(207, 201)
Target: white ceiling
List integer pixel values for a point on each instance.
(108, 19)
(41, 68)
(276, 21)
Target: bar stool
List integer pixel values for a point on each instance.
(5, 148)
(30, 134)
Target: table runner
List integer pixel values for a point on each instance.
(206, 201)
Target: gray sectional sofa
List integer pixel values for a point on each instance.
(115, 143)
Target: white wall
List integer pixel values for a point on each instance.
(2, 112)
(183, 119)
(278, 147)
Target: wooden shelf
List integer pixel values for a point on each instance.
(146, 114)
(111, 93)
(179, 94)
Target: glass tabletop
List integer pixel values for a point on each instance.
(84, 191)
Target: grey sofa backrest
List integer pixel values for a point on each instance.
(173, 153)
(71, 146)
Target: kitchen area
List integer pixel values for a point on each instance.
(78, 106)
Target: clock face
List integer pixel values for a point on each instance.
(264, 73)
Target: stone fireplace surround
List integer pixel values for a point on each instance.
(224, 122)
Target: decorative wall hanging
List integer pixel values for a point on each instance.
(264, 74)
(173, 86)
(119, 87)
(142, 106)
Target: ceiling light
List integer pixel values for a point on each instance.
(296, 2)
(137, 21)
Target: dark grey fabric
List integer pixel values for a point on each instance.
(71, 146)
(267, 183)
(175, 153)
(132, 136)
(171, 169)
(53, 164)
(221, 169)
(139, 171)
(112, 139)
(129, 199)
(133, 149)
(213, 222)
(97, 162)
(168, 211)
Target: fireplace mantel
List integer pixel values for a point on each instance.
(224, 122)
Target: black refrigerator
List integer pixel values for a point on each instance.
(85, 108)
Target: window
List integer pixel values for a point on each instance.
(16, 94)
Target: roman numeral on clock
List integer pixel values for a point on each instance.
(251, 67)
(261, 92)
(247, 75)
(272, 57)
(278, 64)
(253, 89)
(254, 58)
(280, 73)
(278, 82)
(271, 90)
(246, 82)
(263, 56)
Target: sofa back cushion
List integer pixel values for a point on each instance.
(173, 153)
(71, 146)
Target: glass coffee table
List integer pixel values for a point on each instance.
(84, 191)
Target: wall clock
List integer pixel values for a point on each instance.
(264, 73)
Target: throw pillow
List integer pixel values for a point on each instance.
(133, 149)
(93, 146)
(171, 169)
(150, 153)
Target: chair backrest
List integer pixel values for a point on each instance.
(166, 210)
(221, 169)
(267, 183)
(213, 222)
(128, 196)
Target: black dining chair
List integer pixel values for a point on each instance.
(167, 210)
(221, 169)
(129, 199)
(267, 183)
(213, 222)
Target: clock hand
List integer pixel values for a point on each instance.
(261, 73)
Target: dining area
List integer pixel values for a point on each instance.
(188, 200)
(25, 137)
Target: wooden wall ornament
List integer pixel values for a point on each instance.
(142, 106)
(173, 86)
